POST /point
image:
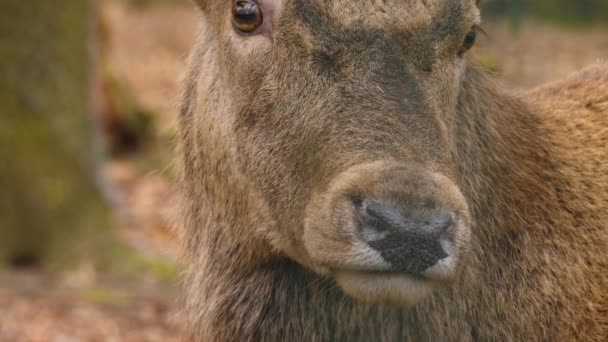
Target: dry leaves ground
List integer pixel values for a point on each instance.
(147, 49)
(40, 310)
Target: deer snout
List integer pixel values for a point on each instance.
(388, 232)
(409, 242)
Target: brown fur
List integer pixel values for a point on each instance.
(531, 167)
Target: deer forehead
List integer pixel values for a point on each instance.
(411, 15)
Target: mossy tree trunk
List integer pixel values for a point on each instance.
(50, 206)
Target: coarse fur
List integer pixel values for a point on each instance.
(260, 139)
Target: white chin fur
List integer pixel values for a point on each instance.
(386, 288)
(443, 270)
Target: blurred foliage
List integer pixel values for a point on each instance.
(137, 117)
(563, 12)
(107, 296)
(146, 3)
(127, 125)
(124, 262)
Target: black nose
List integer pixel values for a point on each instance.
(409, 244)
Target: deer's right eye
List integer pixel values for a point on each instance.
(246, 15)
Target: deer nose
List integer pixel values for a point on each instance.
(410, 243)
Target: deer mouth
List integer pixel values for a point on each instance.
(388, 288)
(395, 287)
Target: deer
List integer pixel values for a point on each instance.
(349, 173)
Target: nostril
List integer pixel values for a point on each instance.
(410, 243)
(359, 206)
(376, 222)
(385, 217)
(382, 218)
(357, 201)
(441, 223)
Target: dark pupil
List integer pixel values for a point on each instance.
(246, 11)
(469, 40)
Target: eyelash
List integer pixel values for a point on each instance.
(479, 29)
(466, 46)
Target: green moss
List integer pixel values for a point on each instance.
(164, 269)
(123, 261)
(106, 296)
(489, 63)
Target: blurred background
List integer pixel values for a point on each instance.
(88, 94)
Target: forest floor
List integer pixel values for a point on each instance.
(145, 49)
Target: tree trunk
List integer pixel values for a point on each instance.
(49, 202)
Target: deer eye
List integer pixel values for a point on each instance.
(246, 15)
(469, 41)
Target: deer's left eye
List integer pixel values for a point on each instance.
(469, 41)
(246, 15)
